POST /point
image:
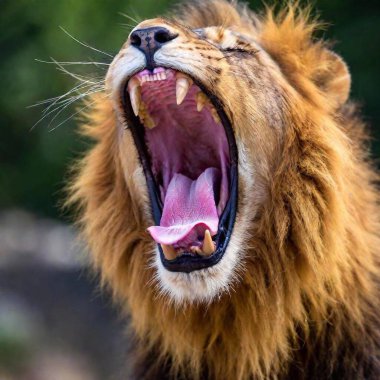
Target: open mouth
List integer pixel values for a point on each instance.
(188, 151)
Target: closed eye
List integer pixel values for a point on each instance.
(240, 49)
(199, 32)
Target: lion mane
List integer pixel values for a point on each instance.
(305, 300)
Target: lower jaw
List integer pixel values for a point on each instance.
(200, 286)
(188, 262)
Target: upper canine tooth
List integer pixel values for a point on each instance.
(169, 252)
(182, 87)
(134, 90)
(201, 101)
(208, 246)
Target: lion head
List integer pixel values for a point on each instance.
(228, 199)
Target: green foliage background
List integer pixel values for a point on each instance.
(33, 163)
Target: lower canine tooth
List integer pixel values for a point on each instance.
(183, 85)
(169, 252)
(134, 90)
(208, 247)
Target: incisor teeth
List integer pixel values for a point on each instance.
(195, 249)
(208, 247)
(169, 252)
(201, 101)
(183, 85)
(134, 90)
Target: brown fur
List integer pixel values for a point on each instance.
(305, 301)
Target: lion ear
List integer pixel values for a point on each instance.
(288, 37)
(334, 79)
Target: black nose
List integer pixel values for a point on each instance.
(149, 40)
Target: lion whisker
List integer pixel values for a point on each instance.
(75, 113)
(59, 108)
(61, 99)
(63, 102)
(129, 17)
(85, 44)
(127, 26)
(45, 101)
(68, 63)
(73, 75)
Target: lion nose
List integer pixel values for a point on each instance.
(149, 40)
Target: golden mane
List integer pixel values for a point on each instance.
(310, 277)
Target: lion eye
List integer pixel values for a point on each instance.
(243, 48)
(234, 48)
(199, 32)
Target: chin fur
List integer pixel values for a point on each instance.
(201, 286)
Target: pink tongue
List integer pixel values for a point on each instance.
(189, 209)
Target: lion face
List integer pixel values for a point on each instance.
(210, 124)
(205, 117)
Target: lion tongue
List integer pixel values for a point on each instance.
(189, 210)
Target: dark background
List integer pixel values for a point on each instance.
(52, 319)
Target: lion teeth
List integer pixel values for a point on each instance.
(149, 122)
(201, 101)
(145, 117)
(215, 115)
(183, 85)
(169, 252)
(208, 247)
(195, 249)
(134, 90)
(153, 77)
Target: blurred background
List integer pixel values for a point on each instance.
(54, 322)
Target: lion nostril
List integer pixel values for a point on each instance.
(149, 40)
(162, 36)
(135, 39)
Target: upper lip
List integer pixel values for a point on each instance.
(186, 262)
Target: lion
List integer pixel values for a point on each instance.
(229, 201)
